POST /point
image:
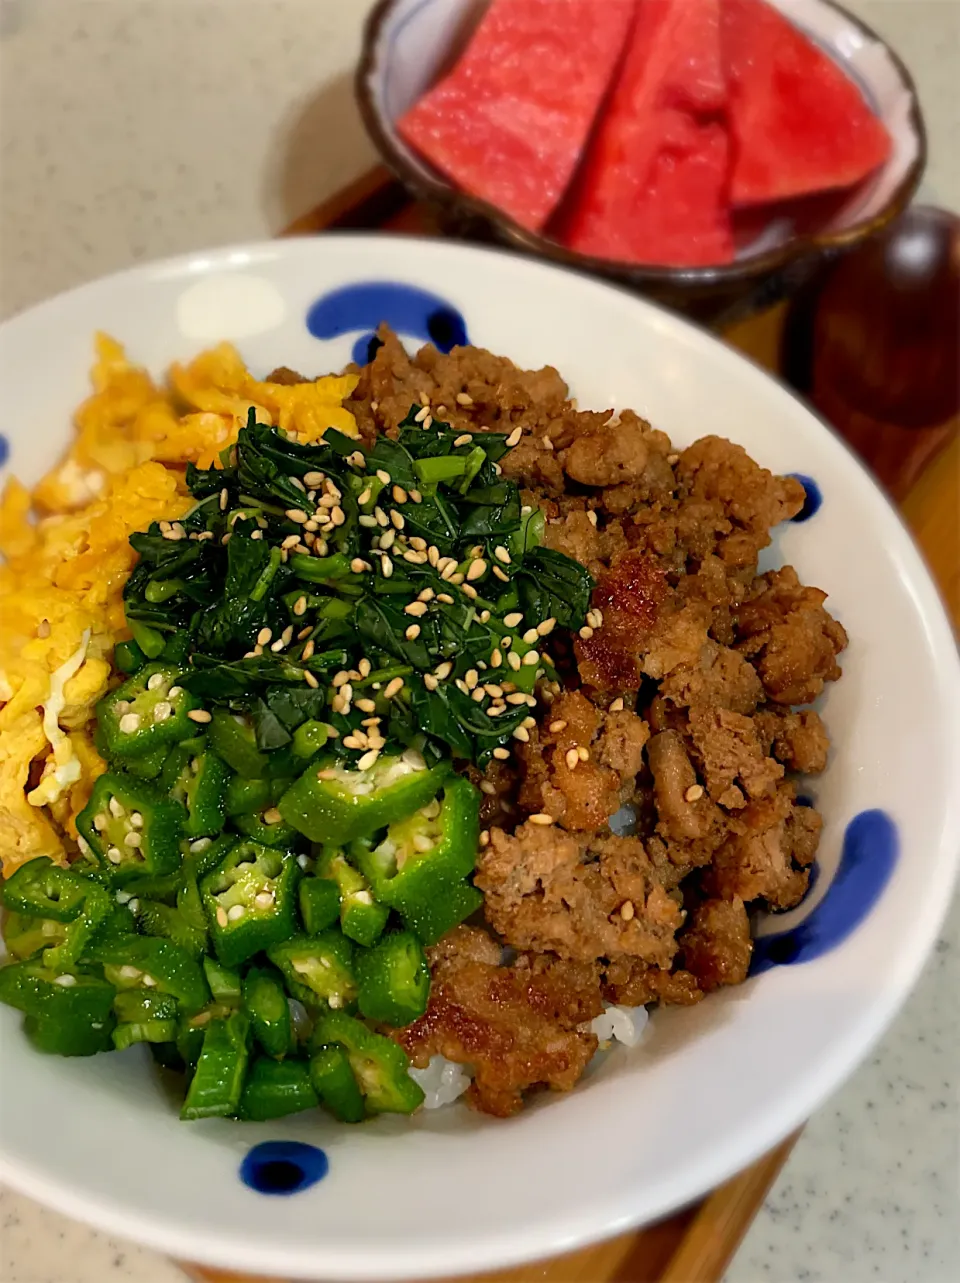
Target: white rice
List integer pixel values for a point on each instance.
(625, 1024)
(443, 1081)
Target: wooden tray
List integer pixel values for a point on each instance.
(696, 1244)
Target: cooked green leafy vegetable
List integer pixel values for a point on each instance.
(399, 593)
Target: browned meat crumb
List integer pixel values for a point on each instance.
(797, 739)
(721, 678)
(716, 946)
(283, 374)
(518, 1026)
(766, 853)
(751, 499)
(550, 891)
(789, 638)
(731, 757)
(631, 983)
(581, 763)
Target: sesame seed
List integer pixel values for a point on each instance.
(428, 421)
(367, 522)
(494, 710)
(200, 715)
(357, 459)
(627, 910)
(501, 754)
(430, 681)
(309, 678)
(433, 555)
(272, 816)
(264, 635)
(694, 793)
(421, 414)
(540, 817)
(427, 595)
(338, 516)
(397, 518)
(387, 540)
(516, 697)
(547, 627)
(300, 606)
(506, 642)
(366, 705)
(129, 723)
(501, 554)
(445, 598)
(529, 723)
(547, 443)
(586, 632)
(444, 670)
(522, 734)
(513, 659)
(416, 496)
(364, 497)
(415, 558)
(514, 437)
(399, 494)
(476, 568)
(513, 619)
(296, 514)
(572, 758)
(464, 398)
(469, 591)
(471, 677)
(496, 658)
(415, 608)
(313, 479)
(592, 517)
(413, 632)
(363, 668)
(531, 657)
(531, 636)
(368, 759)
(358, 565)
(340, 679)
(464, 439)
(478, 695)
(355, 741)
(556, 727)
(488, 788)
(449, 570)
(381, 516)
(386, 567)
(393, 687)
(224, 499)
(617, 705)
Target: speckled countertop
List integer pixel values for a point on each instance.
(237, 117)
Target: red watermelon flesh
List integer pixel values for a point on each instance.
(510, 121)
(799, 123)
(653, 186)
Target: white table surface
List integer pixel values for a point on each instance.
(254, 126)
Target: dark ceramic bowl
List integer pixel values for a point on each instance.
(409, 44)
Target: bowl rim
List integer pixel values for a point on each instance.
(741, 271)
(213, 1247)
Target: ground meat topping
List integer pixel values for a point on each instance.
(676, 700)
(518, 1026)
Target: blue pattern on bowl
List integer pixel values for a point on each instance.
(405, 308)
(871, 845)
(283, 1167)
(4, 449)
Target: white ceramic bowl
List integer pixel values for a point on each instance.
(710, 1087)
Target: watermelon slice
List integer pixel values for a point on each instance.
(510, 121)
(799, 123)
(653, 186)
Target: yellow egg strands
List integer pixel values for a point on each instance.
(67, 556)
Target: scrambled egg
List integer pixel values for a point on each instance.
(67, 557)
